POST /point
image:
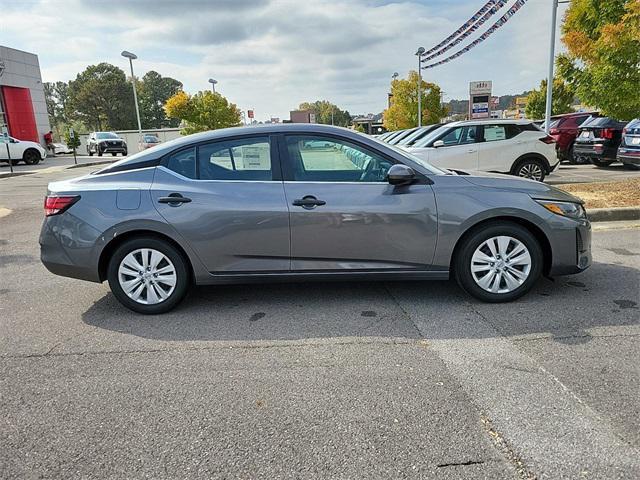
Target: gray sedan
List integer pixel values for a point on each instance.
(303, 202)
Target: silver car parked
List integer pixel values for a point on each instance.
(303, 202)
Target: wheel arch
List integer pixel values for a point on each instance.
(526, 156)
(30, 150)
(537, 232)
(109, 248)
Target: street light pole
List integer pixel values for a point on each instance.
(213, 84)
(552, 56)
(131, 58)
(419, 53)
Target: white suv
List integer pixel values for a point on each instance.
(22, 151)
(517, 147)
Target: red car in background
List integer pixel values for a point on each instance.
(564, 129)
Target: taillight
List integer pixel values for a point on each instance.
(624, 131)
(54, 205)
(608, 133)
(554, 131)
(548, 140)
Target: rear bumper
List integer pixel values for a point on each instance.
(629, 156)
(598, 152)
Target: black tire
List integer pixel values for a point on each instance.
(89, 151)
(572, 158)
(113, 154)
(124, 154)
(601, 163)
(183, 279)
(464, 254)
(99, 151)
(31, 157)
(530, 164)
(631, 166)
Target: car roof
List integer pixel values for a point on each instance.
(492, 121)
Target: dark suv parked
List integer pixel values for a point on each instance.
(106, 142)
(598, 140)
(564, 129)
(629, 151)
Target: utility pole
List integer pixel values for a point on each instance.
(419, 53)
(552, 57)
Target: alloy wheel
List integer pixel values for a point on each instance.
(501, 264)
(532, 171)
(147, 276)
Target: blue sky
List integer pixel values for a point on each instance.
(271, 55)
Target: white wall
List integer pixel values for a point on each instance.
(132, 137)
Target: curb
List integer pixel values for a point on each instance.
(90, 164)
(613, 214)
(14, 174)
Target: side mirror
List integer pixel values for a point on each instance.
(401, 175)
(438, 144)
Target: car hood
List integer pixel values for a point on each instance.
(509, 182)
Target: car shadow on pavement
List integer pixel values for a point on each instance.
(564, 309)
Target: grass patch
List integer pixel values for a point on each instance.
(607, 194)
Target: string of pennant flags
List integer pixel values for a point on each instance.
(499, 23)
(470, 29)
(464, 26)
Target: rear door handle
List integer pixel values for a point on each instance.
(174, 198)
(308, 202)
(471, 151)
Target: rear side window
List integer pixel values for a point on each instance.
(494, 133)
(242, 159)
(183, 162)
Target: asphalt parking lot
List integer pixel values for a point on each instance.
(347, 380)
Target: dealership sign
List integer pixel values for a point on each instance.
(479, 98)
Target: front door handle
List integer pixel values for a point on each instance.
(308, 202)
(174, 199)
(471, 151)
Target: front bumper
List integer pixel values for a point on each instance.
(571, 246)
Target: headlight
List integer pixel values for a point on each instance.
(566, 209)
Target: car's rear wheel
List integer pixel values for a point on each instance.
(148, 275)
(499, 262)
(531, 168)
(601, 163)
(89, 151)
(31, 157)
(113, 154)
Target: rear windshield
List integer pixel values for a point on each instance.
(598, 122)
(151, 139)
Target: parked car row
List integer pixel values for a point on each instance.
(516, 147)
(587, 137)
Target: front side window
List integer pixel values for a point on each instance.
(460, 136)
(326, 159)
(183, 162)
(242, 159)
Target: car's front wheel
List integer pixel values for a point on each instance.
(89, 151)
(31, 157)
(148, 275)
(498, 262)
(531, 168)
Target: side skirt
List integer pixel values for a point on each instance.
(320, 276)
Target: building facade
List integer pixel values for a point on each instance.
(23, 109)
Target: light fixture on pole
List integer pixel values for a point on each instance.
(213, 84)
(132, 57)
(394, 76)
(419, 54)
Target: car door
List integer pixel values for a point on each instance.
(12, 147)
(229, 203)
(345, 216)
(498, 148)
(457, 150)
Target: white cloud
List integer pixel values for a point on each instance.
(272, 55)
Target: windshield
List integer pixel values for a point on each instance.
(151, 139)
(103, 135)
(417, 135)
(431, 136)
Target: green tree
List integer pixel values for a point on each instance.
(603, 59)
(56, 95)
(324, 110)
(403, 112)
(71, 142)
(153, 92)
(102, 98)
(202, 111)
(563, 97)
